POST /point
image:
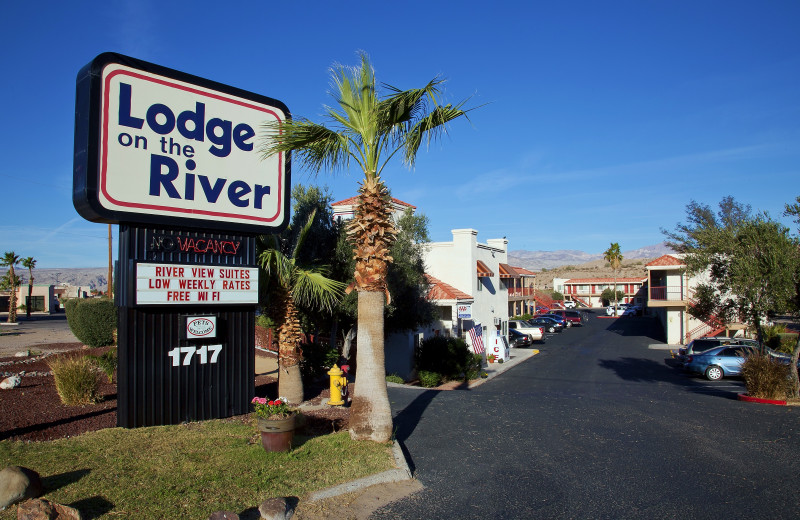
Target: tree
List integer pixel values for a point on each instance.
(610, 295)
(369, 130)
(29, 263)
(751, 261)
(10, 260)
(793, 210)
(290, 283)
(613, 256)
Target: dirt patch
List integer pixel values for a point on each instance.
(358, 505)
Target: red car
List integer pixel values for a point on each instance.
(572, 318)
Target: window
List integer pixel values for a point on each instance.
(480, 284)
(446, 313)
(35, 303)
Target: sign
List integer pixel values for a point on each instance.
(201, 327)
(154, 145)
(464, 311)
(173, 284)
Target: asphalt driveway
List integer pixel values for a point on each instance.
(597, 426)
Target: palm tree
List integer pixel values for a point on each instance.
(613, 256)
(29, 263)
(291, 284)
(11, 259)
(368, 130)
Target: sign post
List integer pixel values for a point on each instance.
(172, 159)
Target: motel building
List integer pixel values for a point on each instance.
(586, 291)
(346, 209)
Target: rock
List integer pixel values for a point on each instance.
(17, 484)
(223, 515)
(10, 382)
(275, 509)
(24, 353)
(39, 509)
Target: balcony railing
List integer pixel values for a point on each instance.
(517, 292)
(667, 293)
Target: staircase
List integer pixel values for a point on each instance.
(710, 327)
(580, 301)
(544, 300)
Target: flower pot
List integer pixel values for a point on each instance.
(276, 434)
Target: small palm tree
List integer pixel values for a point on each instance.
(290, 284)
(613, 256)
(10, 260)
(29, 263)
(368, 130)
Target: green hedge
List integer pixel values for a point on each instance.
(448, 357)
(92, 320)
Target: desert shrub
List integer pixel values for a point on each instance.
(77, 380)
(394, 378)
(429, 379)
(448, 357)
(92, 320)
(473, 370)
(317, 360)
(106, 363)
(765, 377)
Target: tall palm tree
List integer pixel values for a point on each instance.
(613, 256)
(29, 263)
(369, 130)
(11, 259)
(290, 283)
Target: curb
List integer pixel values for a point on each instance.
(746, 398)
(400, 473)
(529, 353)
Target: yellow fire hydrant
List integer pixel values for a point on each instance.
(338, 386)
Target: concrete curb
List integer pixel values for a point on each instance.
(663, 346)
(399, 473)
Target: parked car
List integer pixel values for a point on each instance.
(536, 331)
(620, 310)
(571, 317)
(550, 323)
(569, 304)
(719, 362)
(701, 344)
(519, 339)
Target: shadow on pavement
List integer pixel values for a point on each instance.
(406, 420)
(643, 326)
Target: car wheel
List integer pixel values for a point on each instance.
(569, 324)
(714, 373)
(551, 330)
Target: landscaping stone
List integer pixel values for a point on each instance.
(10, 382)
(223, 515)
(275, 509)
(24, 353)
(17, 484)
(39, 509)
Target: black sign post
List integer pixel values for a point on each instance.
(172, 159)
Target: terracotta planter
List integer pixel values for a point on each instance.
(277, 434)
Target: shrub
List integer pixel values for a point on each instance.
(394, 378)
(77, 380)
(317, 360)
(429, 379)
(448, 357)
(106, 362)
(92, 320)
(473, 370)
(765, 377)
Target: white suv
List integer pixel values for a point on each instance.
(536, 331)
(569, 304)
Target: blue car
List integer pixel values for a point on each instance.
(549, 323)
(719, 362)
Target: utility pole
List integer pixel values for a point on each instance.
(110, 264)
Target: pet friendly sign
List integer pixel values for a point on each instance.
(159, 146)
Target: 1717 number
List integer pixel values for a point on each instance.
(189, 352)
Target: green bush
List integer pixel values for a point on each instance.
(473, 370)
(106, 362)
(77, 380)
(317, 360)
(765, 377)
(394, 378)
(429, 379)
(92, 320)
(449, 357)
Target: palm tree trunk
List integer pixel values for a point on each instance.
(12, 300)
(30, 298)
(370, 415)
(290, 381)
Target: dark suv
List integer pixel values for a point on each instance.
(705, 343)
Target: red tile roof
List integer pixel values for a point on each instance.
(442, 291)
(665, 260)
(604, 280)
(483, 270)
(352, 201)
(523, 271)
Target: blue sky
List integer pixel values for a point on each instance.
(601, 120)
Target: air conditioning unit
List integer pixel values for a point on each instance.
(497, 321)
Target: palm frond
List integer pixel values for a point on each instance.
(313, 145)
(313, 287)
(430, 127)
(404, 106)
(303, 235)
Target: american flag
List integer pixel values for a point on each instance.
(477, 339)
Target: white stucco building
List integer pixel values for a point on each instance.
(473, 270)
